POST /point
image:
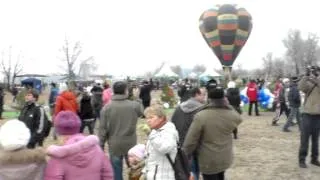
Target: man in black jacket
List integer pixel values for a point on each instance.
(184, 91)
(35, 118)
(145, 94)
(233, 95)
(96, 100)
(183, 117)
(294, 104)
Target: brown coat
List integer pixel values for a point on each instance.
(210, 136)
(312, 103)
(135, 171)
(23, 164)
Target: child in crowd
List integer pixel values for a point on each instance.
(136, 157)
(86, 113)
(80, 157)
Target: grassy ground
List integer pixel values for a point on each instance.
(10, 114)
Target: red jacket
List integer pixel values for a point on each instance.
(252, 92)
(66, 101)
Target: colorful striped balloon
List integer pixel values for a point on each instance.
(226, 30)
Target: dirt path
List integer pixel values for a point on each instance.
(265, 152)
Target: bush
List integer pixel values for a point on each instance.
(168, 96)
(20, 100)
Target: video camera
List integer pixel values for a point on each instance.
(313, 70)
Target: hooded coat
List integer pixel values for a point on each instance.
(26, 164)
(66, 101)
(183, 116)
(80, 158)
(210, 136)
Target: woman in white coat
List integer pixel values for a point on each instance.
(161, 141)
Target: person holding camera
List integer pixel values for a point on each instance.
(310, 124)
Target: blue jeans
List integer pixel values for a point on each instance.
(117, 165)
(195, 168)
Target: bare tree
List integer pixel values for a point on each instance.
(199, 69)
(157, 70)
(311, 49)
(268, 65)
(177, 69)
(239, 72)
(9, 68)
(257, 73)
(17, 69)
(71, 58)
(279, 67)
(294, 45)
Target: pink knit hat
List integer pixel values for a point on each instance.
(138, 150)
(67, 123)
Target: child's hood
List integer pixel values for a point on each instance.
(77, 151)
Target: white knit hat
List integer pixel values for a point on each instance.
(14, 135)
(138, 150)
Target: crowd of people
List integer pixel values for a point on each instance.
(78, 156)
(200, 130)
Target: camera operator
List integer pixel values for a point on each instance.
(310, 124)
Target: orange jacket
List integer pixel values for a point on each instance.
(66, 101)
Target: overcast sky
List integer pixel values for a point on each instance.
(135, 36)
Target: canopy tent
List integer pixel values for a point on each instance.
(210, 73)
(33, 82)
(166, 72)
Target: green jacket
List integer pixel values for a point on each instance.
(210, 135)
(312, 102)
(118, 124)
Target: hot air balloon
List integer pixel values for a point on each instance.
(226, 30)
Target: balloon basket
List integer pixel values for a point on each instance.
(227, 74)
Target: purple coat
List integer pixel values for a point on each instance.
(80, 158)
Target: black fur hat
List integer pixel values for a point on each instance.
(211, 84)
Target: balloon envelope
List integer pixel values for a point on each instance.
(226, 29)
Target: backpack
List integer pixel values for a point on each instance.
(46, 123)
(180, 165)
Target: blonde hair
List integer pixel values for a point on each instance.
(155, 110)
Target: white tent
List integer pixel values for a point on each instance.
(193, 75)
(210, 72)
(166, 71)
